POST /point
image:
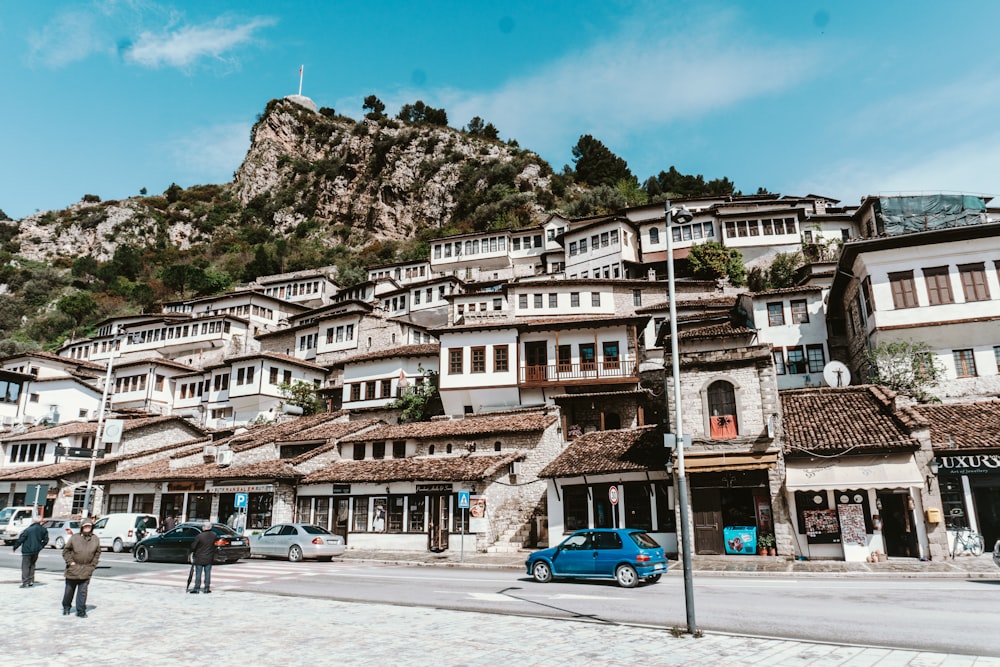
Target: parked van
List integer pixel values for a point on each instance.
(118, 531)
(15, 519)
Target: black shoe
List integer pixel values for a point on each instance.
(81, 614)
(25, 585)
(194, 591)
(207, 590)
(66, 611)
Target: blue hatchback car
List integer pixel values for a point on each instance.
(626, 555)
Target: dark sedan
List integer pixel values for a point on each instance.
(175, 544)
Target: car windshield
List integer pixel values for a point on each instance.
(51, 524)
(6, 514)
(644, 541)
(315, 530)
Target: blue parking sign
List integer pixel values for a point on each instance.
(241, 500)
(463, 500)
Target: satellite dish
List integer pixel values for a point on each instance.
(836, 374)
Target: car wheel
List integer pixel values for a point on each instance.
(541, 572)
(117, 546)
(653, 579)
(60, 543)
(295, 553)
(141, 554)
(626, 576)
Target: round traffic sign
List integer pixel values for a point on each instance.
(613, 495)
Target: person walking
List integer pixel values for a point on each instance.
(81, 553)
(31, 541)
(202, 556)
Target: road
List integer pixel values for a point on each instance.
(943, 615)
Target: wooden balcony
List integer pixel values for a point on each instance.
(596, 372)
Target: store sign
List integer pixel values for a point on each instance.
(433, 487)
(248, 488)
(970, 464)
(185, 486)
(341, 490)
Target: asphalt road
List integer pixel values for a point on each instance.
(943, 615)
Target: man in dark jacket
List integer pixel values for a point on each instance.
(202, 556)
(31, 541)
(81, 553)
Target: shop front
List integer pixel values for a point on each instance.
(856, 508)
(243, 507)
(970, 493)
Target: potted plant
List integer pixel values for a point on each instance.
(766, 545)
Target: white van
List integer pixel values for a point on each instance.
(15, 519)
(118, 531)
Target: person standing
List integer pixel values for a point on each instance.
(168, 523)
(31, 542)
(81, 553)
(202, 556)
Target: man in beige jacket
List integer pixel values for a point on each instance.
(81, 553)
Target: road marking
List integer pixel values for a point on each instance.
(492, 597)
(572, 596)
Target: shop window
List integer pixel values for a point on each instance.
(856, 497)
(395, 522)
(638, 505)
(722, 411)
(816, 520)
(953, 502)
(142, 502)
(117, 503)
(666, 521)
(574, 507)
(303, 509)
(415, 519)
(604, 511)
(361, 515)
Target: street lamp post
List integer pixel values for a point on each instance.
(99, 436)
(682, 491)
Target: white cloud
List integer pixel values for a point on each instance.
(184, 46)
(210, 154)
(69, 37)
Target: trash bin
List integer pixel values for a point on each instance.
(740, 540)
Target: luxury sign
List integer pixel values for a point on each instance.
(970, 464)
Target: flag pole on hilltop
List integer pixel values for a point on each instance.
(301, 67)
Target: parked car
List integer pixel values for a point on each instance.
(175, 545)
(297, 541)
(626, 555)
(996, 553)
(119, 531)
(15, 519)
(60, 530)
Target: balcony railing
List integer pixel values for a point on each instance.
(591, 371)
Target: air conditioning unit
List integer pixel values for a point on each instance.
(8, 421)
(225, 457)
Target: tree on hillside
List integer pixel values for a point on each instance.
(632, 192)
(596, 164)
(374, 107)
(674, 184)
(79, 306)
(418, 112)
(712, 260)
(477, 127)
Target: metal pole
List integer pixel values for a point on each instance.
(99, 436)
(682, 492)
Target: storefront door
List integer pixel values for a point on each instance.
(171, 504)
(987, 500)
(341, 511)
(437, 524)
(706, 511)
(898, 528)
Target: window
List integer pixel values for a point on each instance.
(522, 301)
(722, 410)
(356, 392)
(654, 235)
(369, 390)
(286, 377)
(775, 314)
(478, 360)
(866, 287)
(779, 361)
(637, 297)
(575, 507)
(595, 299)
(572, 248)
(611, 359)
(358, 452)
(996, 356)
(497, 304)
(796, 360)
(378, 450)
(361, 504)
(903, 293)
(564, 358)
(349, 332)
(815, 358)
(938, 286)
(574, 299)
(800, 312)
(553, 300)
(386, 388)
(500, 359)
(638, 505)
(455, 361)
(416, 514)
(538, 300)
(965, 363)
(399, 449)
(974, 281)
(583, 246)
(587, 361)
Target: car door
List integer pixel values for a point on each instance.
(607, 553)
(269, 543)
(575, 557)
(176, 544)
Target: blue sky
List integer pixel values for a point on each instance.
(841, 99)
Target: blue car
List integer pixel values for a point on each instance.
(626, 555)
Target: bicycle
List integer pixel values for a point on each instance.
(966, 540)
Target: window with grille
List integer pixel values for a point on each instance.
(965, 363)
(775, 314)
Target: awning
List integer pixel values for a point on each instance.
(725, 461)
(898, 471)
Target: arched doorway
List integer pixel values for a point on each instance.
(723, 423)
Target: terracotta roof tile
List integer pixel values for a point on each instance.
(963, 425)
(470, 426)
(838, 420)
(601, 452)
(161, 471)
(78, 428)
(424, 468)
(423, 350)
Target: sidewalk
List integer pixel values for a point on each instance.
(965, 567)
(153, 625)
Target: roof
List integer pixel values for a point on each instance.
(51, 470)
(264, 434)
(800, 289)
(69, 361)
(963, 425)
(846, 420)
(161, 471)
(407, 351)
(468, 427)
(601, 452)
(470, 467)
(83, 428)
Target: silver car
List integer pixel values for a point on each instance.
(297, 541)
(60, 530)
